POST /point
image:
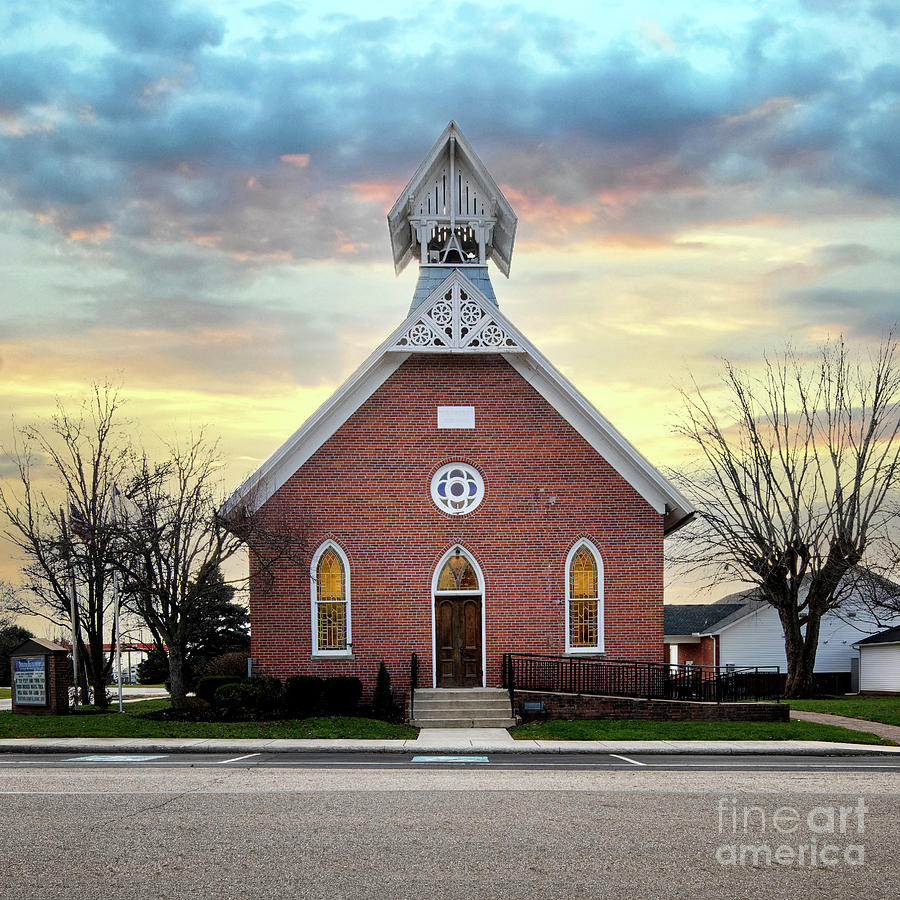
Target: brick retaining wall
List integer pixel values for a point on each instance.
(584, 706)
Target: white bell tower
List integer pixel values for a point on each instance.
(452, 215)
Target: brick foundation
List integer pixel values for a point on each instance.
(584, 706)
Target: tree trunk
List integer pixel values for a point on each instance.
(800, 650)
(176, 675)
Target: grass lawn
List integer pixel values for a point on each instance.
(877, 709)
(90, 722)
(607, 730)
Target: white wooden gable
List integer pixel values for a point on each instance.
(456, 318)
(452, 211)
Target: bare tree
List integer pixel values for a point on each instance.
(795, 484)
(80, 456)
(174, 543)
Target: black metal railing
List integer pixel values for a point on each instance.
(413, 681)
(635, 678)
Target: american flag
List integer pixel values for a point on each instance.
(78, 523)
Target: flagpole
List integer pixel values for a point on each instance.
(118, 599)
(72, 602)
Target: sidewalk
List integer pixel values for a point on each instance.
(438, 740)
(890, 732)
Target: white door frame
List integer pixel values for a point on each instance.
(434, 595)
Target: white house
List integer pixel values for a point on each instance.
(741, 631)
(879, 662)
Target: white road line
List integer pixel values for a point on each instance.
(222, 762)
(628, 759)
(785, 765)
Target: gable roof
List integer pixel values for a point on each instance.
(696, 618)
(504, 338)
(493, 206)
(891, 636)
(37, 647)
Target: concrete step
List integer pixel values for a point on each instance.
(464, 723)
(456, 712)
(463, 693)
(462, 708)
(495, 704)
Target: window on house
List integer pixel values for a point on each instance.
(584, 600)
(331, 619)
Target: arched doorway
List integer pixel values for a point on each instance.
(458, 590)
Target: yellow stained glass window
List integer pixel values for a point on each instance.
(331, 603)
(584, 609)
(583, 575)
(457, 575)
(583, 623)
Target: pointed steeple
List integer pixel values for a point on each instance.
(452, 214)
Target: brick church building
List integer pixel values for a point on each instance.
(457, 497)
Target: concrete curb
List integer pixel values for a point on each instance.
(468, 746)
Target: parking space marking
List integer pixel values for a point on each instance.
(444, 759)
(108, 757)
(222, 762)
(628, 759)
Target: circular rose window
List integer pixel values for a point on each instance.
(457, 488)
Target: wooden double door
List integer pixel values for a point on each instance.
(457, 628)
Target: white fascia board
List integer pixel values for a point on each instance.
(681, 638)
(319, 427)
(598, 431)
(862, 646)
(715, 631)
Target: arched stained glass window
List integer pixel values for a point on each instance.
(330, 602)
(584, 609)
(457, 574)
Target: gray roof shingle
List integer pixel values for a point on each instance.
(697, 618)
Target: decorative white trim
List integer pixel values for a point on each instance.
(451, 501)
(601, 629)
(435, 593)
(456, 316)
(314, 596)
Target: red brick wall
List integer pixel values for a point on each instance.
(585, 706)
(367, 488)
(702, 654)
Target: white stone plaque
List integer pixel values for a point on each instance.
(456, 416)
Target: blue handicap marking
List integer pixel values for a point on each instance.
(464, 759)
(115, 758)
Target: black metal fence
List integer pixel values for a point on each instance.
(633, 678)
(413, 680)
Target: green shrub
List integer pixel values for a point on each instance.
(208, 684)
(267, 692)
(341, 694)
(302, 694)
(383, 700)
(234, 701)
(233, 663)
(252, 698)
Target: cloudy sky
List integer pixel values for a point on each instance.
(193, 194)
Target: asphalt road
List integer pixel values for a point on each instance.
(390, 828)
(457, 760)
